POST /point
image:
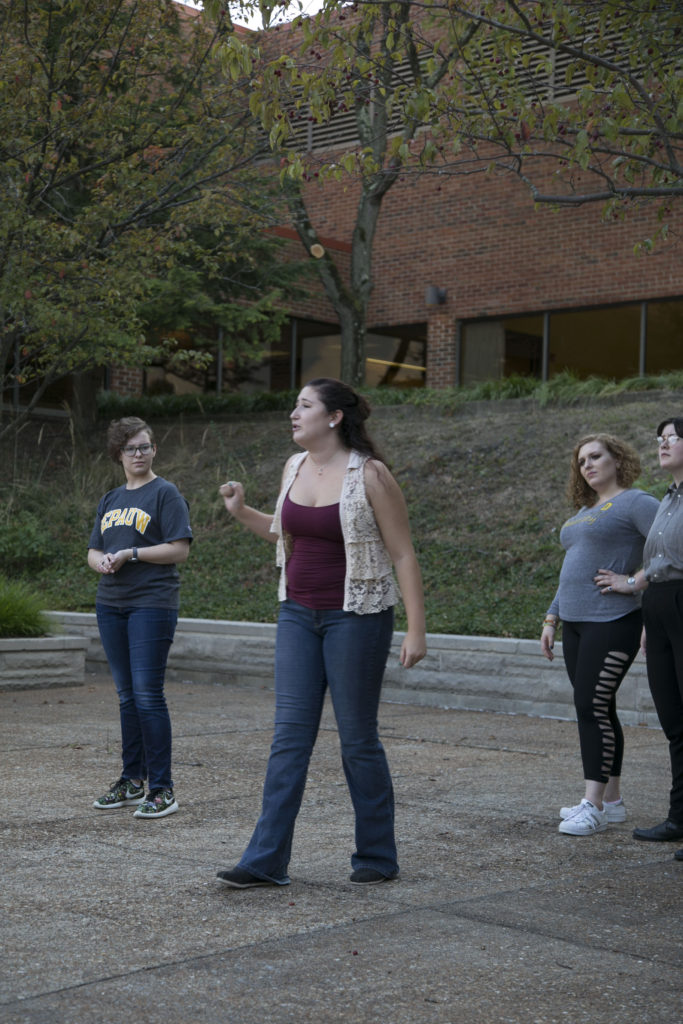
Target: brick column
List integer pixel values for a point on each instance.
(441, 335)
(126, 380)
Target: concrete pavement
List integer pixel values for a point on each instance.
(496, 917)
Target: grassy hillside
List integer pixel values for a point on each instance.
(484, 483)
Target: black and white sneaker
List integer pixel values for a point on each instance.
(157, 804)
(123, 793)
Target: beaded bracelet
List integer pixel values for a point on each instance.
(550, 622)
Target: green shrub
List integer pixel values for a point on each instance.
(25, 543)
(21, 612)
(565, 388)
(152, 407)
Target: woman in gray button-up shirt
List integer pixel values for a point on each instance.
(663, 623)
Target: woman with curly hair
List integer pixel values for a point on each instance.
(598, 602)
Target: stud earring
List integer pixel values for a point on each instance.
(332, 424)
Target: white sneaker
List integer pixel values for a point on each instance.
(616, 810)
(586, 822)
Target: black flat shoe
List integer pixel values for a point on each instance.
(369, 876)
(679, 854)
(238, 878)
(666, 832)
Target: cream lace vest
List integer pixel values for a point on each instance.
(369, 583)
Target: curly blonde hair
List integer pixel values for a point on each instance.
(579, 491)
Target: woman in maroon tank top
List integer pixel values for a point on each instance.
(341, 529)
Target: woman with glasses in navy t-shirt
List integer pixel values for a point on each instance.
(141, 532)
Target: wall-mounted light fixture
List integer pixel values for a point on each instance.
(435, 296)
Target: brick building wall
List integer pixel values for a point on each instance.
(126, 380)
(482, 239)
(314, 303)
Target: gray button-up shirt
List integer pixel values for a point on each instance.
(663, 552)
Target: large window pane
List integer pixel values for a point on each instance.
(307, 348)
(601, 342)
(395, 359)
(320, 357)
(664, 337)
(500, 348)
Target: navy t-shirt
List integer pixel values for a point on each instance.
(155, 513)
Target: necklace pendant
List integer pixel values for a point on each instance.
(320, 471)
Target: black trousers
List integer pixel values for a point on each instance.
(597, 656)
(663, 621)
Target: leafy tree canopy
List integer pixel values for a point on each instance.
(590, 88)
(126, 159)
(582, 101)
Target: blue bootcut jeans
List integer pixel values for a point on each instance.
(136, 642)
(348, 653)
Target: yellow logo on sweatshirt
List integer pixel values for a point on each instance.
(126, 517)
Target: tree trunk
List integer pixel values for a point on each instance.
(352, 324)
(85, 386)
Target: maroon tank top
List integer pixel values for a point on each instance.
(317, 565)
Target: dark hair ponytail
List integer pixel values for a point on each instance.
(334, 394)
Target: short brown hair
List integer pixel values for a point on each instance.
(579, 491)
(120, 430)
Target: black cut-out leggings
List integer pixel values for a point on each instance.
(597, 656)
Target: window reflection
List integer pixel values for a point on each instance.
(664, 349)
(612, 341)
(595, 342)
(309, 349)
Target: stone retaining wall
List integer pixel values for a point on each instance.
(42, 662)
(467, 672)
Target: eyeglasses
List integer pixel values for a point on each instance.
(668, 439)
(131, 449)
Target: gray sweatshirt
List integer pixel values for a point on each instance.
(609, 535)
